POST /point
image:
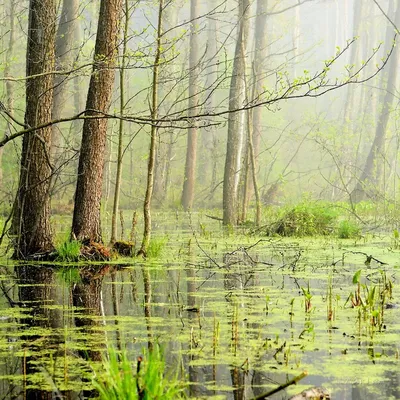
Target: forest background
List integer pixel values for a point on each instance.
(221, 105)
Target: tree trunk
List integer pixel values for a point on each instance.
(260, 57)
(64, 59)
(191, 151)
(86, 219)
(32, 207)
(7, 69)
(153, 137)
(235, 122)
(120, 152)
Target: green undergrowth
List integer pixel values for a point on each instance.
(146, 379)
(311, 219)
(68, 251)
(347, 229)
(156, 247)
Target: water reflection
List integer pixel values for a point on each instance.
(235, 327)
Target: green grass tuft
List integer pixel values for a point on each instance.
(156, 247)
(121, 379)
(69, 251)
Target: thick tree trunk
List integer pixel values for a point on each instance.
(191, 151)
(32, 208)
(86, 219)
(235, 122)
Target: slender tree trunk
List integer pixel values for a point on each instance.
(86, 219)
(64, 59)
(353, 57)
(257, 82)
(153, 140)
(210, 135)
(235, 122)
(191, 151)
(7, 69)
(32, 208)
(120, 152)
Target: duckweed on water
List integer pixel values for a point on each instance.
(243, 313)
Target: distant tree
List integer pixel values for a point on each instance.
(7, 69)
(64, 61)
(371, 172)
(86, 218)
(191, 150)
(31, 220)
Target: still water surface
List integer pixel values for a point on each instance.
(237, 315)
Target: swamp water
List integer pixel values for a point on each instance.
(237, 316)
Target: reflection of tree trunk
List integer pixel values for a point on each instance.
(147, 306)
(191, 151)
(86, 296)
(115, 303)
(235, 122)
(37, 291)
(32, 209)
(193, 323)
(371, 174)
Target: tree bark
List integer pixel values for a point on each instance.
(235, 122)
(86, 219)
(191, 151)
(32, 207)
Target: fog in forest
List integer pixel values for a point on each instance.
(311, 82)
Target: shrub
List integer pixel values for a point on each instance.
(305, 219)
(347, 229)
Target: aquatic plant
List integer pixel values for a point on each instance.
(68, 251)
(148, 380)
(307, 298)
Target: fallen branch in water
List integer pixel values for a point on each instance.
(293, 381)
